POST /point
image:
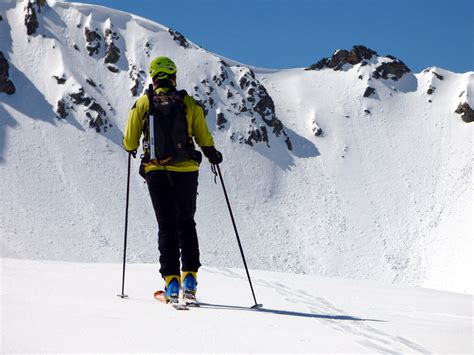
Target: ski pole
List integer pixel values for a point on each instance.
(123, 295)
(256, 305)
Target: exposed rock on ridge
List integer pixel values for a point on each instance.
(138, 77)
(6, 85)
(466, 112)
(179, 38)
(245, 97)
(61, 109)
(112, 51)
(31, 19)
(394, 69)
(261, 103)
(343, 56)
(112, 54)
(369, 91)
(93, 40)
(95, 113)
(391, 70)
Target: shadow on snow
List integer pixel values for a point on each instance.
(285, 313)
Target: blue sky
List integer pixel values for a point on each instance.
(297, 33)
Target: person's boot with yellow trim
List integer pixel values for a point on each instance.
(172, 286)
(189, 284)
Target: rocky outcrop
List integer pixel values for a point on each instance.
(93, 40)
(95, 113)
(60, 80)
(112, 54)
(113, 68)
(369, 91)
(342, 57)
(257, 135)
(316, 129)
(61, 109)
(466, 112)
(97, 117)
(147, 48)
(262, 104)
(179, 38)
(393, 70)
(221, 120)
(80, 98)
(6, 85)
(91, 82)
(437, 75)
(246, 99)
(31, 19)
(223, 75)
(205, 99)
(265, 106)
(112, 51)
(138, 78)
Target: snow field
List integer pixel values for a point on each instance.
(63, 307)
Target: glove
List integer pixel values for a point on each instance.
(212, 154)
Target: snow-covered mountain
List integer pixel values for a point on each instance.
(354, 167)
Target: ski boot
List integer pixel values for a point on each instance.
(172, 287)
(189, 285)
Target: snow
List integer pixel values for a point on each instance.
(403, 152)
(58, 307)
(372, 210)
(376, 207)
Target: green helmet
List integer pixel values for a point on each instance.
(161, 67)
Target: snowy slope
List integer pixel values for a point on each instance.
(58, 307)
(383, 195)
(397, 180)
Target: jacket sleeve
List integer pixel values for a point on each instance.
(134, 126)
(199, 128)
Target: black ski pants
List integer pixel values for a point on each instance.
(173, 195)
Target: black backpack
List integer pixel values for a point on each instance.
(172, 141)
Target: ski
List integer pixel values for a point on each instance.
(160, 297)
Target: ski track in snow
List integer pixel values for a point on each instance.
(326, 313)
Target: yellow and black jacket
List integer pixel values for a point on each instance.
(197, 128)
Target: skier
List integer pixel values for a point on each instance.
(171, 170)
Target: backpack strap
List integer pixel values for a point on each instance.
(150, 93)
(151, 121)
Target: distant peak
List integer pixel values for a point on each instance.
(388, 67)
(344, 56)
